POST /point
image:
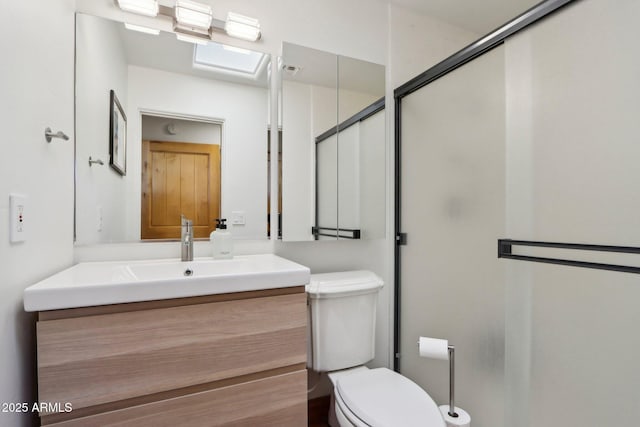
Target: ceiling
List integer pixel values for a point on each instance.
(478, 16)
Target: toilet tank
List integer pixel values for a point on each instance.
(342, 319)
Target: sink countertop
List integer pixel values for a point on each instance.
(116, 282)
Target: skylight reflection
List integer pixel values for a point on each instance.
(220, 57)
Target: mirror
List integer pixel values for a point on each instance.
(195, 125)
(333, 146)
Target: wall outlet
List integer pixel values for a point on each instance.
(238, 218)
(17, 218)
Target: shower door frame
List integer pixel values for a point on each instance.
(472, 51)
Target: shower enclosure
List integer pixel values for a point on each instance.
(531, 134)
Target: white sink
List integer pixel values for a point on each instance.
(101, 283)
(171, 270)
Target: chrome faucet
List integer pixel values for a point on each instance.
(186, 238)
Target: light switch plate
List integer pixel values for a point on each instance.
(17, 218)
(238, 218)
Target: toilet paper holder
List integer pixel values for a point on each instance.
(436, 348)
(452, 374)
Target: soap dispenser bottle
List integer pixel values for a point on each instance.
(221, 241)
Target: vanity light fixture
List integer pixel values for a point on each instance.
(194, 20)
(193, 16)
(141, 7)
(242, 27)
(141, 29)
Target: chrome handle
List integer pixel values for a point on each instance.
(186, 238)
(187, 223)
(49, 135)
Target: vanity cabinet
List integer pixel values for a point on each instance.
(216, 360)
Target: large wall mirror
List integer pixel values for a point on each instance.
(188, 134)
(333, 146)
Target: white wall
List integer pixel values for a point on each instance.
(418, 41)
(99, 197)
(351, 102)
(361, 177)
(324, 109)
(36, 82)
(348, 191)
(155, 129)
(372, 180)
(242, 110)
(308, 111)
(327, 185)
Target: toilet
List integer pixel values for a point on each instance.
(342, 317)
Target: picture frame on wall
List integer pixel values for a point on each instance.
(117, 136)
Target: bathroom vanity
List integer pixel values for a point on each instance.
(228, 347)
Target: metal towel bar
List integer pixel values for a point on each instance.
(505, 251)
(338, 232)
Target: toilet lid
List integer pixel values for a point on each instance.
(383, 398)
(343, 283)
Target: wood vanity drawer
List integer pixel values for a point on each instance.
(274, 401)
(98, 359)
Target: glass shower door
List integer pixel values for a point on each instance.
(535, 140)
(452, 211)
(572, 156)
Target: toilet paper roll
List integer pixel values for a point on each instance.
(462, 420)
(433, 348)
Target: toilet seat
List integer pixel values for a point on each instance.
(383, 398)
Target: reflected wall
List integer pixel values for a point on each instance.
(333, 146)
(154, 75)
